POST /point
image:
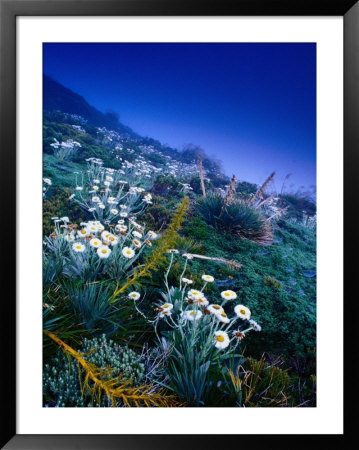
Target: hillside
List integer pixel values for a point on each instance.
(56, 97)
(254, 243)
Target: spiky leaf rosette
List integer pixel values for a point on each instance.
(237, 218)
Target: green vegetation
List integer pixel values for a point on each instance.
(236, 218)
(145, 228)
(62, 384)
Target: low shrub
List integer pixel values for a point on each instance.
(237, 218)
(196, 229)
(62, 384)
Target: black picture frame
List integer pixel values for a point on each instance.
(9, 10)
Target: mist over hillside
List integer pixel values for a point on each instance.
(57, 97)
(61, 104)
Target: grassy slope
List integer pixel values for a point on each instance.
(284, 301)
(61, 172)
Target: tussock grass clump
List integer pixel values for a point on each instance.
(237, 218)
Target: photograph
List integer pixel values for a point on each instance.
(179, 225)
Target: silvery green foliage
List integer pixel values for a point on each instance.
(61, 378)
(91, 303)
(111, 187)
(52, 268)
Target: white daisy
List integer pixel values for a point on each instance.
(192, 315)
(104, 235)
(167, 307)
(113, 240)
(164, 314)
(222, 317)
(96, 199)
(123, 214)
(152, 235)
(114, 211)
(255, 325)
(137, 243)
(202, 301)
(221, 339)
(95, 243)
(78, 247)
(134, 295)
(121, 227)
(215, 309)
(242, 312)
(128, 252)
(69, 237)
(92, 228)
(186, 281)
(137, 234)
(82, 233)
(207, 278)
(194, 294)
(228, 295)
(103, 252)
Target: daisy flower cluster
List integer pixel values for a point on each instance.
(188, 310)
(81, 248)
(107, 194)
(93, 234)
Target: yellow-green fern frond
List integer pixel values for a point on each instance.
(157, 257)
(120, 392)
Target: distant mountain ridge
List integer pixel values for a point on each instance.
(57, 97)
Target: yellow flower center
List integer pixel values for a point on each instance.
(242, 311)
(192, 313)
(83, 231)
(227, 294)
(220, 338)
(104, 251)
(216, 307)
(166, 305)
(78, 247)
(111, 238)
(223, 314)
(128, 252)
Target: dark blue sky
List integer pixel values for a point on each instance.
(253, 106)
